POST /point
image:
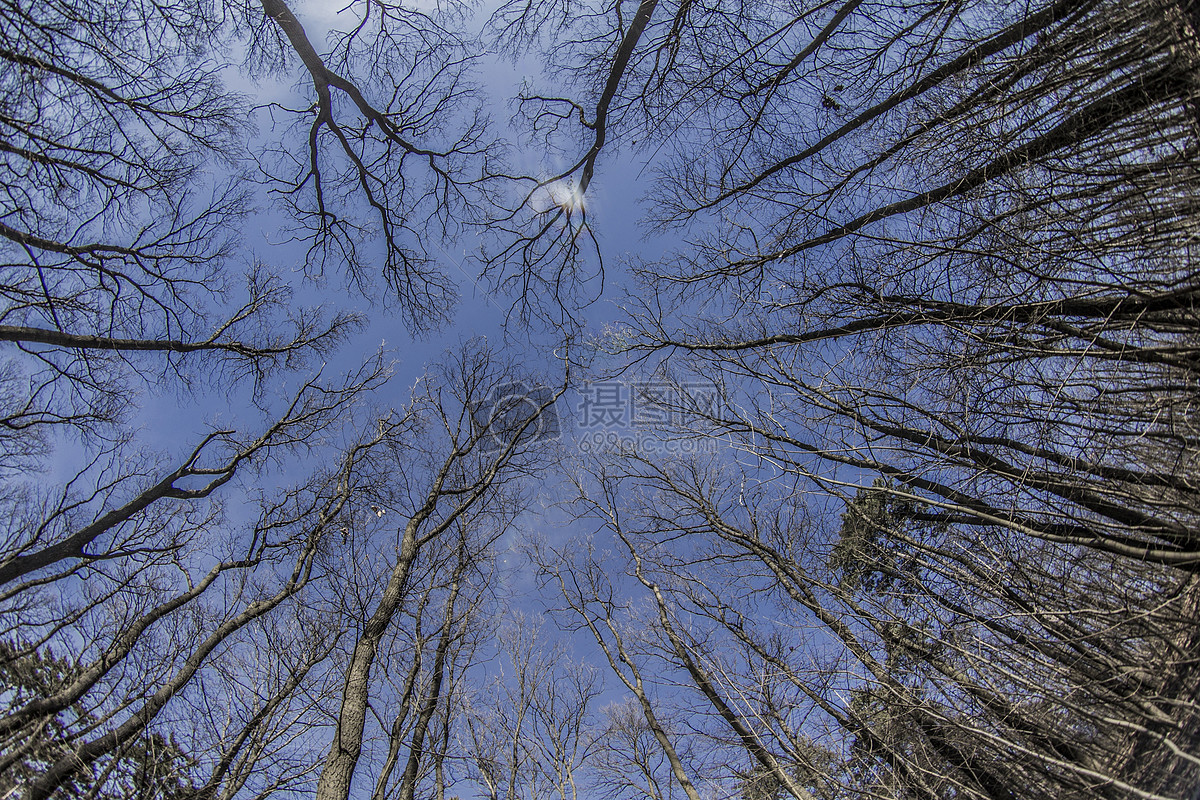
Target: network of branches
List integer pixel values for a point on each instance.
(935, 259)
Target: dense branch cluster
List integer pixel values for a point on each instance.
(937, 261)
(949, 278)
(177, 615)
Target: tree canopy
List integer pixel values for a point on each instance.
(929, 528)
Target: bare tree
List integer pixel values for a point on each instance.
(899, 289)
(163, 605)
(529, 732)
(913, 657)
(1005, 343)
(394, 133)
(148, 594)
(116, 238)
(451, 476)
(950, 246)
(596, 605)
(148, 589)
(939, 264)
